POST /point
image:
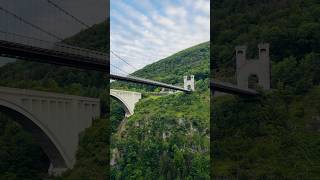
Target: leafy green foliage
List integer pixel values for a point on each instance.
(269, 137)
(92, 162)
(94, 38)
(291, 27)
(20, 156)
(117, 115)
(168, 136)
(276, 135)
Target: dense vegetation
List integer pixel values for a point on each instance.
(95, 38)
(92, 155)
(20, 156)
(275, 136)
(168, 136)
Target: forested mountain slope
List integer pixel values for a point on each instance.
(275, 136)
(290, 26)
(168, 136)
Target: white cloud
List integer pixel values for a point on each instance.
(176, 11)
(143, 33)
(166, 22)
(203, 5)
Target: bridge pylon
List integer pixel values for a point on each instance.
(257, 69)
(188, 83)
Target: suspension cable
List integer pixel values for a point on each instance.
(29, 23)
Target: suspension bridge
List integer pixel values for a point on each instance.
(122, 75)
(55, 120)
(24, 47)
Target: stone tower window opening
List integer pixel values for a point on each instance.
(253, 81)
(263, 50)
(240, 52)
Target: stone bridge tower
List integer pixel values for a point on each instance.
(188, 82)
(257, 69)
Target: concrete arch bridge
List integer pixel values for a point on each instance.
(127, 99)
(54, 120)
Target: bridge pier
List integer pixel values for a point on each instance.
(55, 171)
(258, 69)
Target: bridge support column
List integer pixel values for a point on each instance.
(188, 83)
(52, 171)
(253, 68)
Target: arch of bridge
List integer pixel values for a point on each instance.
(127, 99)
(54, 120)
(42, 134)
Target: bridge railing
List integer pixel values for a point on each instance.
(54, 46)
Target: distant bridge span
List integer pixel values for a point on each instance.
(148, 82)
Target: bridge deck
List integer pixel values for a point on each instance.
(232, 89)
(21, 47)
(147, 82)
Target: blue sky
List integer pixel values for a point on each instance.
(145, 31)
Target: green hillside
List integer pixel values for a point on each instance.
(145, 153)
(168, 136)
(95, 38)
(194, 60)
(275, 136)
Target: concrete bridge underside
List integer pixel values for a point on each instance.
(55, 121)
(127, 99)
